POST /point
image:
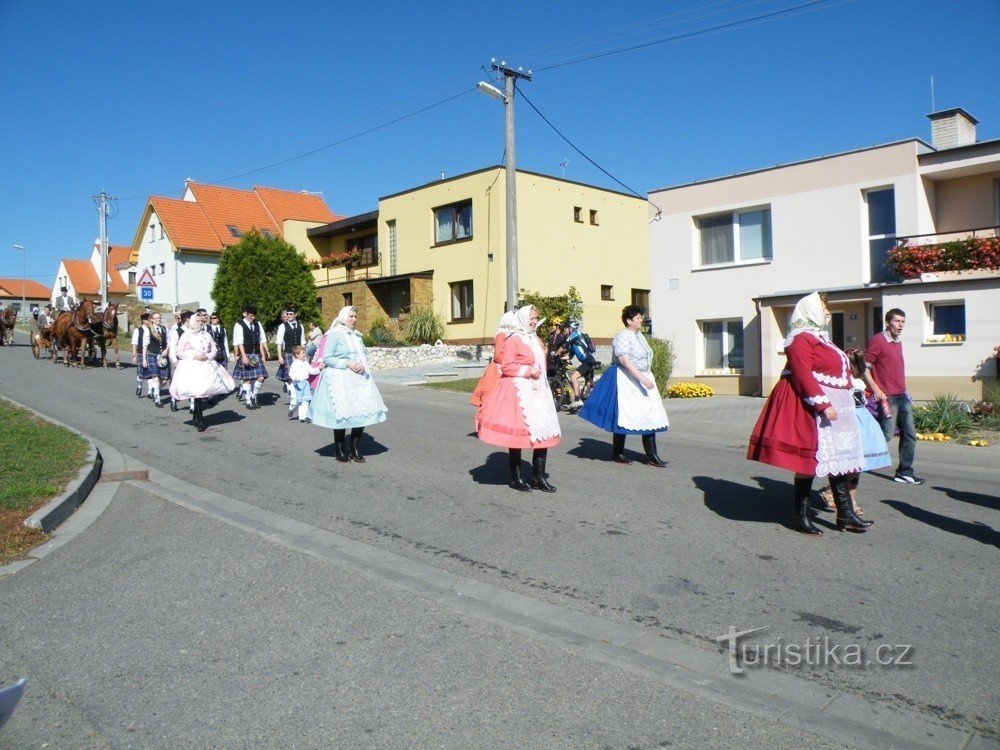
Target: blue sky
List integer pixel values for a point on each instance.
(134, 97)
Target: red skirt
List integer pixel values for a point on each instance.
(488, 381)
(786, 434)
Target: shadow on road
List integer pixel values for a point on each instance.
(978, 531)
(975, 498)
(216, 418)
(771, 502)
(369, 446)
(600, 450)
(494, 471)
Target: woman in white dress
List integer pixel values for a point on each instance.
(625, 401)
(346, 397)
(198, 375)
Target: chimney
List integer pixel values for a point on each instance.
(951, 128)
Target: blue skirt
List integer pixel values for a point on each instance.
(151, 369)
(601, 407)
(282, 373)
(872, 441)
(250, 372)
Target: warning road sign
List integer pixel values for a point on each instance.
(146, 279)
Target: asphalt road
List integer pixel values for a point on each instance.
(686, 552)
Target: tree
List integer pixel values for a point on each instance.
(265, 272)
(555, 310)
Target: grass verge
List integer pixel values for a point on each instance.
(37, 461)
(462, 385)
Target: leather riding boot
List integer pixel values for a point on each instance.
(199, 415)
(801, 515)
(618, 449)
(649, 446)
(846, 518)
(354, 453)
(514, 464)
(539, 479)
(340, 446)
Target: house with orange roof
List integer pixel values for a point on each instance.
(12, 291)
(82, 277)
(179, 242)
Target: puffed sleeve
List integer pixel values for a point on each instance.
(800, 364)
(516, 359)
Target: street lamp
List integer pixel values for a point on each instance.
(24, 278)
(507, 97)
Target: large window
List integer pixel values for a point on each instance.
(947, 321)
(453, 223)
(723, 344)
(741, 236)
(367, 246)
(881, 232)
(461, 301)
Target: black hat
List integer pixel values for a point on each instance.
(62, 289)
(249, 310)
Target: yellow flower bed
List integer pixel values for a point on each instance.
(689, 390)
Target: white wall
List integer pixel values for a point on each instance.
(196, 275)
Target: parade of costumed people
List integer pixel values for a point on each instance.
(198, 375)
(346, 397)
(625, 400)
(491, 375)
(808, 424)
(518, 413)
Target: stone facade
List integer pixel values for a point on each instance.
(391, 358)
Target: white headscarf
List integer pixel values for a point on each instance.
(809, 315)
(341, 320)
(506, 324)
(520, 324)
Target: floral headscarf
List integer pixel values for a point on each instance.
(809, 315)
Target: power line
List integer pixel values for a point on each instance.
(771, 15)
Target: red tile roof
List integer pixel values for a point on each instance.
(118, 254)
(285, 204)
(225, 207)
(186, 224)
(84, 278)
(11, 288)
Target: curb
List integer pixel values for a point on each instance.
(57, 510)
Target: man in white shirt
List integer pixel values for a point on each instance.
(249, 341)
(64, 302)
(290, 334)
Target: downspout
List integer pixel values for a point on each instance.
(760, 349)
(177, 290)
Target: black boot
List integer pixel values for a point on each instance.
(618, 449)
(340, 447)
(199, 415)
(801, 515)
(539, 479)
(846, 518)
(649, 446)
(514, 464)
(354, 453)
(173, 404)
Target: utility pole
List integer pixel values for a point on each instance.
(102, 212)
(510, 77)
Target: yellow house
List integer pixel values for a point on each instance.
(442, 245)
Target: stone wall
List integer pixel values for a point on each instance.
(390, 358)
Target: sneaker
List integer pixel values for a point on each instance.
(907, 479)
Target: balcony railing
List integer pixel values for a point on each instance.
(962, 250)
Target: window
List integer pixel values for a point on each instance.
(163, 268)
(367, 246)
(593, 217)
(267, 233)
(348, 299)
(152, 270)
(152, 232)
(881, 232)
(234, 231)
(723, 347)
(578, 214)
(461, 301)
(607, 292)
(391, 225)
(947, 321)
(453, 223)
(640, 297)
(319, 306)
(742, 236)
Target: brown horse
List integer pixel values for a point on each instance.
(7, 320)
(72, 329)
(106, 331)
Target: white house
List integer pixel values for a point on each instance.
(179, 242)
(82, 277)
(730, 256)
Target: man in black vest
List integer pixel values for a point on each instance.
(290, 334)
(250, 346)
(153, 347)
(221, 339)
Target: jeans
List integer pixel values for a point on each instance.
(902, 416)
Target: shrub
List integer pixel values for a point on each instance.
(945, 414)
(663, 362)
(424, 326)
(555, 310)
(380, 334)
(689, 390)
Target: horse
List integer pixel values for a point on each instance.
(7, 320)
(44, 337)
(72, 329)
(106, 330)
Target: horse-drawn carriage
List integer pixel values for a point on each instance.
(79, 333)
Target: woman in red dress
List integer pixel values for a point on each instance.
(807, 425)
(519, 413)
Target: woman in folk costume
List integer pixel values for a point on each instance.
(198, 375)
(625, 400)
(492, 374)
(346, 397)
(808, 424)
(519, 413)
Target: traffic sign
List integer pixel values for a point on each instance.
(146, 292)
(146, 280)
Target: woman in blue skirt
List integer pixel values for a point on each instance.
(625, 400)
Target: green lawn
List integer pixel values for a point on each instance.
(37, 461)
(462, 385)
